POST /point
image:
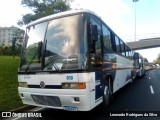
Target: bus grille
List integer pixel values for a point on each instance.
(47, 100)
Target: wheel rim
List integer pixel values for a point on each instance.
(106, 95)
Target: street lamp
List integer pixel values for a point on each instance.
(135, 18)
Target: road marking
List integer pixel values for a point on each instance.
(151, 88)
(16, 118)
(37, 109)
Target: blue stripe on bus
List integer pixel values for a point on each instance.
(98, 83)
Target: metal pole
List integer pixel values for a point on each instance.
(135, 19)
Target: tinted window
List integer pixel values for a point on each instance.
(117, 42)
(106, 38)
(127, 51)
(122, 48)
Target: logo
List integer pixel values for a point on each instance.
(20, 115)
(42, 84)
(69, 77)
(6, 114)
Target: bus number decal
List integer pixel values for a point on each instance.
(69, 77)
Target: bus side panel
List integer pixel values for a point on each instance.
(123, 72)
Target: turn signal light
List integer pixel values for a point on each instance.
(23, 84)
(73, 85)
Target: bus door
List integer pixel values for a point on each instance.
(96, 54)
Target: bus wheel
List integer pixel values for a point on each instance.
(107, 92)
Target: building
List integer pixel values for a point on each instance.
(7, 34)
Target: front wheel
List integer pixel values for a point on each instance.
(107, 92)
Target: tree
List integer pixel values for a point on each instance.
(17, 42)
(157, 61)
(19, 33)
(145, 60)
(5, 50)
(42, 8)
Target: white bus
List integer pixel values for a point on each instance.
(72, 61)
(139, 64)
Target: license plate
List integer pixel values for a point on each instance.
(70, 108)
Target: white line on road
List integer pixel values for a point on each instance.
(37, 109)
(151, 88)
(16, 118)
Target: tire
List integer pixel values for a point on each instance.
(107, 92)
(131, 82)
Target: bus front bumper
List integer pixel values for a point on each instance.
(66, 99)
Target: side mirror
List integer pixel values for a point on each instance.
(94, 33)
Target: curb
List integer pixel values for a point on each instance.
(23, 108)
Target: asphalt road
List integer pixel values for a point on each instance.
(142, 96)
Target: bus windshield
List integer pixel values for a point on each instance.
(56, 45)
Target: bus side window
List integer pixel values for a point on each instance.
(106, 38)
(127, 51)
(122, 48)
(117, 42)
(113, 42)
(130, 54)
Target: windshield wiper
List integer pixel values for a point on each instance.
(53, 63)
(51, 59)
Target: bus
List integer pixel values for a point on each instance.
(72, 61)
(139, 64)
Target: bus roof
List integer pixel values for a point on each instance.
(61, 14)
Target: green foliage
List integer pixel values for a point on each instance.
(158, 60)
(7, 50)
(146, 60)
(19, 33)
(9, 98)
(42, 8)
(16, 47)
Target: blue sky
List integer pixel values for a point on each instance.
(118, 14)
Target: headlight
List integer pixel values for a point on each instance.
(23, 84)
(73, 85)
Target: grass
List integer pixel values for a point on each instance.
(9, 98)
